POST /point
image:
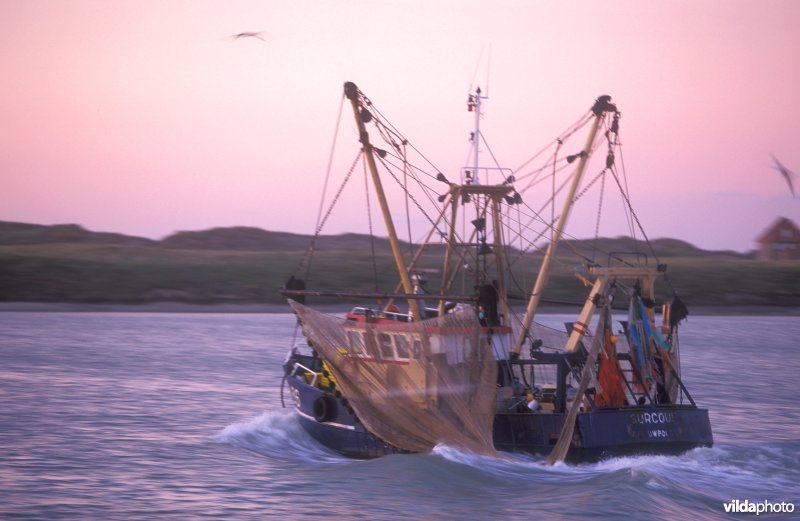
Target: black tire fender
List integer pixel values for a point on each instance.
(323, 408)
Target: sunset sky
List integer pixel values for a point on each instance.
(144, 117)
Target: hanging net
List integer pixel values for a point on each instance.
(414, 385)
(610, 389)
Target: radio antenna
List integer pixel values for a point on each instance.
(488, 67)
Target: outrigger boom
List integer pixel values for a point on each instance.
(362, 115)
(601, 106)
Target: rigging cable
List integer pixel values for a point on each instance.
(633, 213)
(408, 210)
(553, 177)
(599, 212)
(371, 234)
(521, 244)
(583, 120)
(625, 178)
(428, 190)
(330, 163)
(411, 196)
(396, 132)
(309, 254)
(639, 224)
(496, 163)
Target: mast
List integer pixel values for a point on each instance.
(474, 105)
(454, 198)
(351, 91)
(499, 259)
(601, 106)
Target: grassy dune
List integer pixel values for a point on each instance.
(124, 273)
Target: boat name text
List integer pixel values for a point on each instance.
(650, 418)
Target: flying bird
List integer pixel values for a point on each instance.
(785, 172)
(249, 34)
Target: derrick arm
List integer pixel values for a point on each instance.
(351, 92)
(581, 326)
(601, 106)
(454, 197)
(603, 278)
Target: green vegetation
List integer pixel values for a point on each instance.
(120, 269)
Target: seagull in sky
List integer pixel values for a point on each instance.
(250, 34)
(785, 172)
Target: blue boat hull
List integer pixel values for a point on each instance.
(599, 434)
(340, 431)
(603, 433)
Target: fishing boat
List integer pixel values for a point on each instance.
(466, 365)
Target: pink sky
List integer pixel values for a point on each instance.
(142, 117)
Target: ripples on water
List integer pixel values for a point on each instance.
(178, 415)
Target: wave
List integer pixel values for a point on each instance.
(705, 476)
(770, 471)
(277, 435)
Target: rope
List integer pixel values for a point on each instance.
(330, 162)
(580, 123)
(410, 196)
(553, 187)
(521, 242)
(496, 163)
(371, 235)
(402, 160)
(633, 214)
(589, 185)
(635, 218)
(599, 212)
(408, 210)
(309, 253)
(622, 161)
(379, 122)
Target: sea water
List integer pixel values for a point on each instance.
(152, 416)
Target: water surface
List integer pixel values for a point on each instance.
(141, 416)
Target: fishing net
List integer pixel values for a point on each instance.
(610, 388)
(414, 385)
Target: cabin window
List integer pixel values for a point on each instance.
(385, 344)
(356, 341)
(417, 347)
(401, 343)
(370, 348)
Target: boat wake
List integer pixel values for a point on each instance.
(711, 474)
(277, 435)
(703, 478)
(719, 473)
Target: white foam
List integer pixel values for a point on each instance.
(711, 472)
(278, 435)
(536, 467)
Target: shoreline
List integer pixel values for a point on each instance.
(183, 307)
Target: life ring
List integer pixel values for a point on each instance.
(323, 408)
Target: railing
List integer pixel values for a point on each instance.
(683, 388)
(577, 376)
(298, 365)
